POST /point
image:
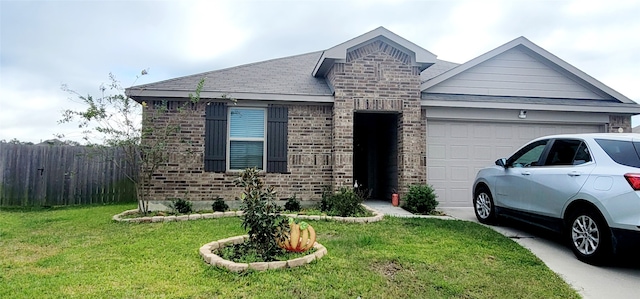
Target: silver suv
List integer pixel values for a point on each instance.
(586, 186)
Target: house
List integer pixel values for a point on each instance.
(380, 110)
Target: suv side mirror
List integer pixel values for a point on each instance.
(501, 162)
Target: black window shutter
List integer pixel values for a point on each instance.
(215, 140)
(277, 123)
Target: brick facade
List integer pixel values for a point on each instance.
(309, 158)
(379, 77)
(375, 77)
(619, 121)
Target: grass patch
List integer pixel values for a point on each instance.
(81, 253)
(315, 211)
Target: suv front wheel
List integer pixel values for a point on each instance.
(483, 206)
(589, 236)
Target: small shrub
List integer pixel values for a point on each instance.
(293, 204)
(326, 203)
(421, 199)
(345, 203)
(261, 216)
(219, 205)
(181, 206)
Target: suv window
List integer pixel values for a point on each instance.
(528, 155)
(568, 152)
(622, 152)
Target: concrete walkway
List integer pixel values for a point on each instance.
(619, 280)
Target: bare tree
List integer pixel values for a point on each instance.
(114, 120)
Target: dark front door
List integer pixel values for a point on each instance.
(375, 153)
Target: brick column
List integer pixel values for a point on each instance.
(342, 142)
(619, 121)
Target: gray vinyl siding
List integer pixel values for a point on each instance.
(515, 73)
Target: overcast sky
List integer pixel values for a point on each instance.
(45, 44)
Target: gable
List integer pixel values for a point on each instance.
(338, 54)
(379, 46)
(518, 72)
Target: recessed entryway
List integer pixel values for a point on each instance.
(375, 153)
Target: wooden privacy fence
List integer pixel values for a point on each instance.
(53, 175)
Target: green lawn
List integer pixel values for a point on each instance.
(81, 253)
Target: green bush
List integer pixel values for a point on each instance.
(345, 203)
(293, 204)
(261, 217)
(421, 199)
(181, 206)
(219, 205)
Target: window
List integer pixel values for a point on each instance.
(622, 152)
(568, 152)
(528, 156)
(240, 137)
(246, 138)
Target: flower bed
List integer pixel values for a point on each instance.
(377, 216)
(206, 251)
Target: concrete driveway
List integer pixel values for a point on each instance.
(619, 280)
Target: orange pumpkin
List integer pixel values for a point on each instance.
(300, 238)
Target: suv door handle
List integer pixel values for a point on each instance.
(574, 173)
(525, 173)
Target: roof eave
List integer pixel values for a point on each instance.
(629, 109)
(139, 94)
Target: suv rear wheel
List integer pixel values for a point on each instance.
(589, 236)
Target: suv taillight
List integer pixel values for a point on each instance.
(634, 180)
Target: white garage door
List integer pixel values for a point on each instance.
(456, 150)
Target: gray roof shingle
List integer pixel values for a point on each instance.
(288, 75)
(436, 69)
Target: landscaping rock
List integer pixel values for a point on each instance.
(259, 266)
(182, 218)
(309, 258)
(204, 250)
(223, 242)
(238, 240)
(238, 267)
(170, 218)
(195, 216)
(297, 262)
(218, 214)
(212, 259)
(213, 245)
(224, 263)
(277, 265)
(207, 216)
(157, 218)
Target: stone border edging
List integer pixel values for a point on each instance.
(377, 216)
(206, 251)
(171, 218)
